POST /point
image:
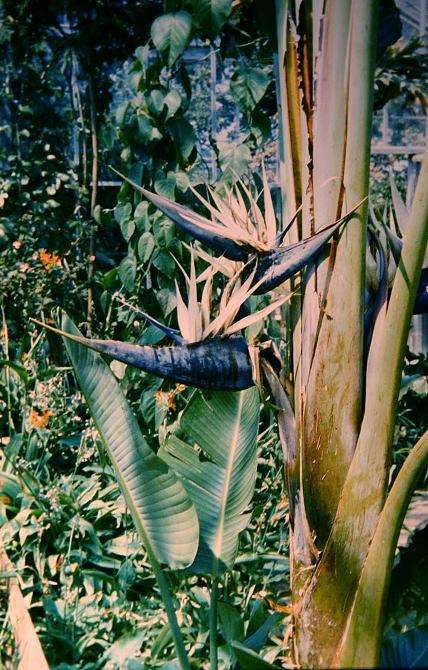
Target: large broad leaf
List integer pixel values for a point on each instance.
(183, 136)
(212, 14)
(224, 426)
(161, 509)
(407, 650)
(248, 86)
(171, 33)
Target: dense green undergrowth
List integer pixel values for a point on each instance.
(86, 579)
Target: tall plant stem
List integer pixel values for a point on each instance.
(363, 636)
(177, 637)
(5, 338)
(29, 649)
(336, 579)
(94, 189)
(333, 374)
(213, 624)
(76, 101)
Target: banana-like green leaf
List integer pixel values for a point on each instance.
(162, 512)
(224, 426)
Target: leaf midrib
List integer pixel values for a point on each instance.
(228, 475)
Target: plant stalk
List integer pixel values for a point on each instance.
(177, 637)
(94, 190)
(213, 624)
(5, 338)
(362, 640)
(333, 396)
(336, 579)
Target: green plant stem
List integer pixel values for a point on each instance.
(177, 637)
(213, 624)
(5, 333)
(362, 640)
(333, 397)
(364, 490)
(94, 190)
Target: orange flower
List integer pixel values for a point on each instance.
(171, 401)
(40, 419)
(48, 260)
(166, 398)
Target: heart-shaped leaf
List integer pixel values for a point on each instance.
(170, 34)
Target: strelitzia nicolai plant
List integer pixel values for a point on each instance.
(337, 440)
(345, 401)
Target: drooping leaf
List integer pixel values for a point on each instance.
(122, 212)
(232, 626)
(162, 512)
(164, 262)
(141, 216)
(165, 186)
(224, 426)
(146, 130)
(125, 647)
(234, 158)
(183, 136)
(156, 101)
(171, 33)
(164, 232)
(128, 271)
(173, 102)
(146, 246)
(257, 640)
(20, 370)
